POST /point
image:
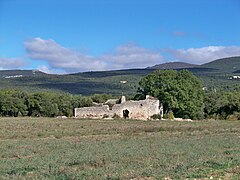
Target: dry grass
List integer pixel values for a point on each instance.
(45, 148)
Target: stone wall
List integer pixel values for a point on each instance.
(92, 112)
(142, 109)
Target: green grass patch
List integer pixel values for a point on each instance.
(47, 148)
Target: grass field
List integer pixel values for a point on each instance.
(45, 148)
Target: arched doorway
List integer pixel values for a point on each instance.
(126, 113)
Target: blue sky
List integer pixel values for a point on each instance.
(64, 36)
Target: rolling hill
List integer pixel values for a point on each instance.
(20, 73)
(213, 75)
(173, 65)
(224, 65)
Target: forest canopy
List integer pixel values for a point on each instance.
(48, 104)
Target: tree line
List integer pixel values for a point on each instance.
(222, 105)
(47, 104)
(182, 94)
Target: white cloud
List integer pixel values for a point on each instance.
(132, 56)
(126, 56)
(205, 54)
(59, 57)
(11, 63)
(46, 69)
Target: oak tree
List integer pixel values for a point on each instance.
(178, 91)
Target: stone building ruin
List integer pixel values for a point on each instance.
(142, 109)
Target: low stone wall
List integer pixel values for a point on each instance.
(92, 112)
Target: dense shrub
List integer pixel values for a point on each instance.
(169, 115)
(222, 105)
(47, 104)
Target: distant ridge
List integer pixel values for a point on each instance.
(215, 74)
(20, 73)
(229, 64)
(224, 65)
(173, 65)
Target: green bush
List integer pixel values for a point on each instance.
(169, 115)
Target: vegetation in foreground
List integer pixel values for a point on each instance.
(44, 148)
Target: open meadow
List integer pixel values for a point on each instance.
(50, 148)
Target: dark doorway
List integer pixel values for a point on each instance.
(125, 113)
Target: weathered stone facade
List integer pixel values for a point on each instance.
(142, 109)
